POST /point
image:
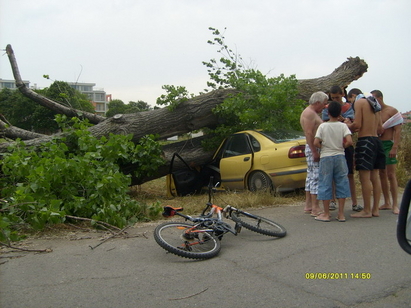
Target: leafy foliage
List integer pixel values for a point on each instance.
(175, 95)
(43, 186)
(64, 94)
(26, 114)
(22, 112)
(117, 106)
(261, 102)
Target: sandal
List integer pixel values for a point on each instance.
(357, 208)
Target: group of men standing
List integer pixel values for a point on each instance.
(378, 128)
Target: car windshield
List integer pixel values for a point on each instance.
(279, 136)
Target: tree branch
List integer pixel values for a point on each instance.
(13, 132)
(44, 101)
(24, 249)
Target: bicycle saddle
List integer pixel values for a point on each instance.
(171, 211)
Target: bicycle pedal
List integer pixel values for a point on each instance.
(238, 227)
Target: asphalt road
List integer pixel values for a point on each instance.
(362, 255)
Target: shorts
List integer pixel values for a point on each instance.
(311, 182)
(387, 145)
(333, 169)
(369, 154)
(349, 157)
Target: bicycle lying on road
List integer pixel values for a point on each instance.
(199, 237)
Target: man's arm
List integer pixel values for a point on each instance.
(310, 130)
(356, 125)
(396, 137)
(380, 129)
(317, 142)
(309, 127)
(348, 141)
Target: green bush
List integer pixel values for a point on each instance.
(404, 156)
(43, 185)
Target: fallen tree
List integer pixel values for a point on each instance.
(193, 114)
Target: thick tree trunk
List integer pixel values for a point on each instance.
(192, 115)
(342, 76)
(188, 116)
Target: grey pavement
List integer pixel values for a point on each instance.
(251, 270)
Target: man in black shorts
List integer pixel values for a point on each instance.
(369, 152)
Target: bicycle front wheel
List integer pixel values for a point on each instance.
(186, 240)
(258, 224)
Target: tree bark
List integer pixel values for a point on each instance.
(342, 76)
(191, 115)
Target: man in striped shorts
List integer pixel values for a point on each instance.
(310, 120)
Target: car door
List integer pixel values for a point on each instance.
(236, 161)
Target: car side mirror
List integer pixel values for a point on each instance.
(404, 220)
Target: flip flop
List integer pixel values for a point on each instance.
(321, 219)
(315, 215)
(340, 220)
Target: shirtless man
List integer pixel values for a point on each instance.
(369, 153)
(390, 139)
(310, 120)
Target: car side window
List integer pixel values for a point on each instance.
(255, 144)
(237, 145)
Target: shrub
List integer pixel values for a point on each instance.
(404, 156)
(42, 186)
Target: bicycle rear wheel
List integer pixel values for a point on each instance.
(258, 224)
(185, 240)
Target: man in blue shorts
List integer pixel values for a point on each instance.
(333, 137)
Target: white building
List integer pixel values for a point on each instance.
(98, 97)
(11, 84)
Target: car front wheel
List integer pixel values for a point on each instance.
(259, 181)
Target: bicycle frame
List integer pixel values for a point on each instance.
(208, 222)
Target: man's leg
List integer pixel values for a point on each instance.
(308, 207)
(354, 201)
(392, 179)
(315, 205)
(325, 216)
(376, 191)
(385, 190)
(341, 203)
(366, 187)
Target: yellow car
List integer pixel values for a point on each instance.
(253, 160)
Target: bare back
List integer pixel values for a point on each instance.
(310, 120)
(366, 121)
(386, 113)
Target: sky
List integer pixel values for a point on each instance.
(131, 48)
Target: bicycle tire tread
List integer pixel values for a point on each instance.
(278, 232)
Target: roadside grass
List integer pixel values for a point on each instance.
(155, 191)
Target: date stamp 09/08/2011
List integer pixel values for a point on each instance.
(337, 276)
